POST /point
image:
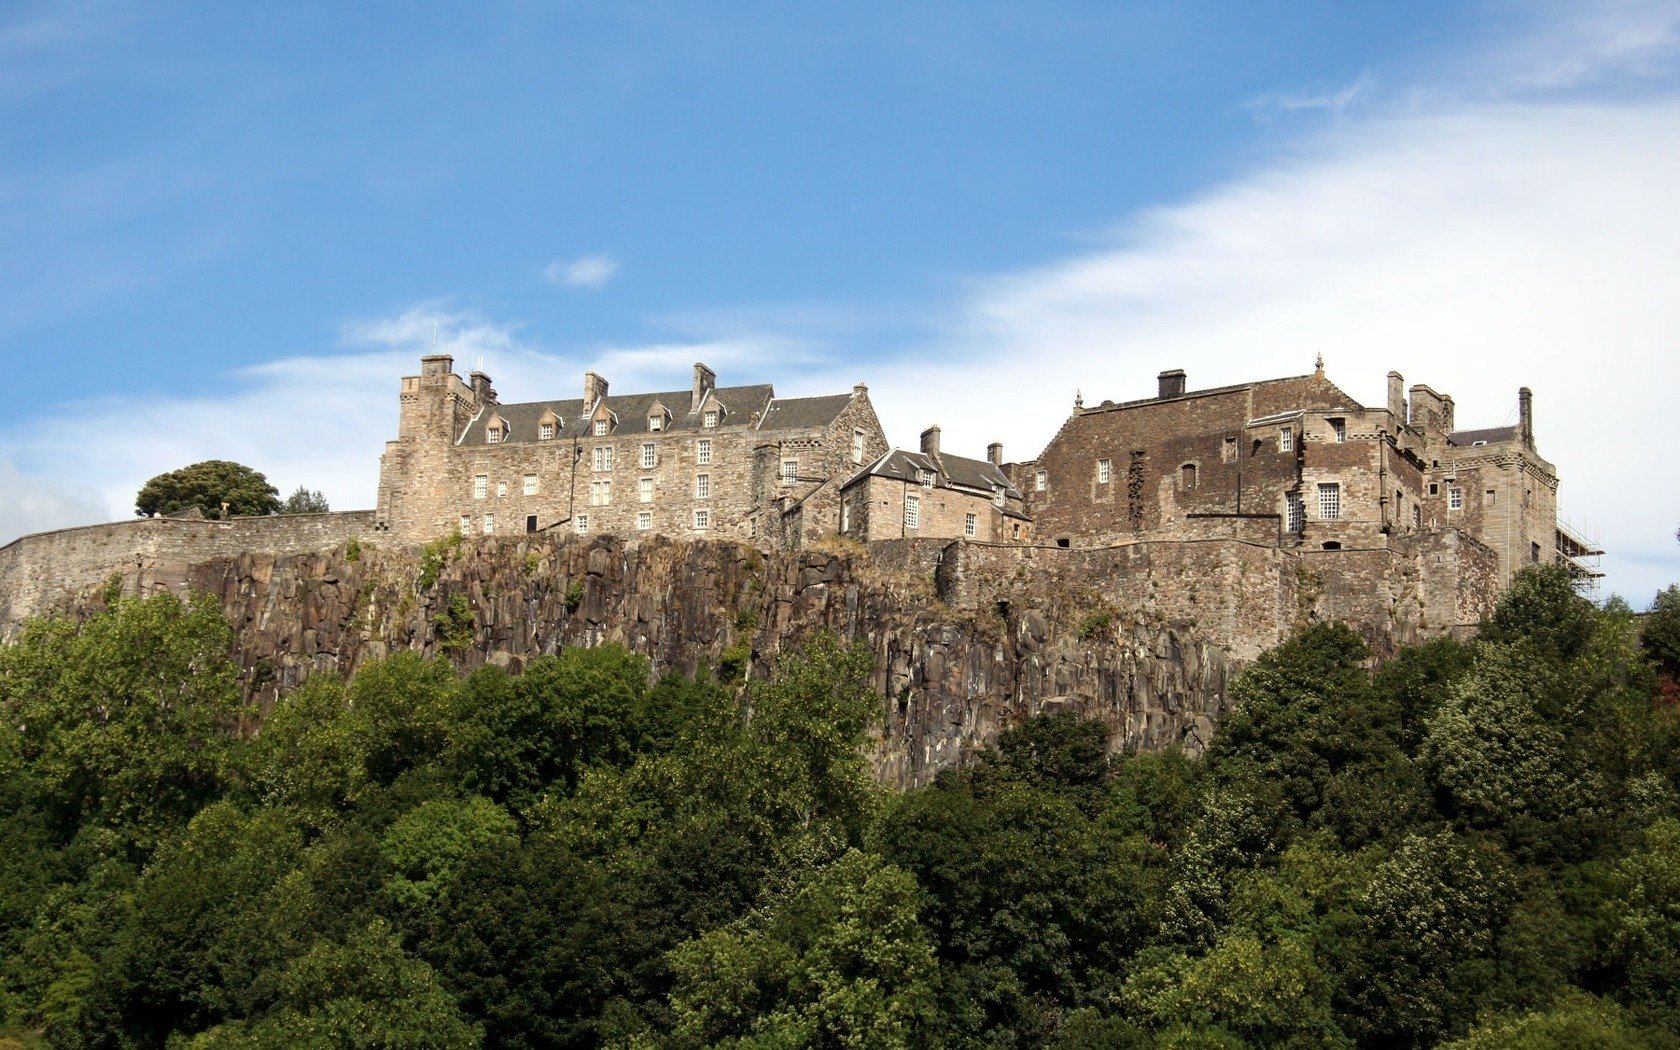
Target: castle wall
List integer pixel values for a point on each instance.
(55, 571)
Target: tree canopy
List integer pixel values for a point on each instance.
(305, 501)
(210, 486)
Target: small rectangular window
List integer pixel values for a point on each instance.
(1338, 430)
(912, 512)
(466, 524)
(492, 436)
(530, 484)
(1296, 516)
(857, 446)
(656, 422)
(501, 489)
(1041, 480)
(1489, 498)
(845, 515)
(702, 486)
(709, 420)
(702, 518)
(481, 486)
(971, 525)
(1417, 516)
(926, 477)
(581, 523)
(1455, 499)
(650, 455)
(644, 490)
(1329, 500)
(1434, 489)
(530, 523)
(1229, 452)
(1187, 474)
(703, 451)
(489, 524)
(644, 519)
(601, 428)
(602, 459)
(790, 471)
(1105, 471)
(545, 432)
(600, 493)
(1286, 439)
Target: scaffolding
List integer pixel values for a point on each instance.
(1579, 555)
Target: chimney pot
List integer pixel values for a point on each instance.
(930, 440)
(994, 453)
(704, 381)
(594, 388)
(1171, 383)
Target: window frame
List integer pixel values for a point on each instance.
(703, 452)
(912, 511)
(971, 524)
(702, 486)
(481, 486)
(1329, 501)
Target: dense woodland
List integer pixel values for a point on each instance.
(1477, 846)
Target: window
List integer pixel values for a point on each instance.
(1329, 500)
(926, 477)
(702, 486)
(709, 420)
(1489, 498)
(857, 446)
(999, 498)
(1105, 471)
(1286, 439)
(466, 524)
(644, 490)
(1229, 452)
(1296, 516)
(530, 523)
(971, 525)
(530, 484)
(1188, 474)
(912, 512)
(1455, 499)
(501, 490)
(581, 523)
(1534, 552)
(790, 471)
(1338, 428)
(703, 451)
(1434, 489)
(845, 515)
(650, 455)
(702, 518)
(601, 426)
(489, 524)
(545, 432)
(644, 520)
(481, 486)
(493, 436)
(656, 422)
(603, 458)
(1041, 480)
(600, 493)
(1417, 516)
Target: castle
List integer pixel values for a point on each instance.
(1293, 463)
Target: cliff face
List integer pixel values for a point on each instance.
(949, 679)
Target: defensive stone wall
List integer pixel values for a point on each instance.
(51, 572)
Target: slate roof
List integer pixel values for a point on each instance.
(950, 471)
(1490, 436)
(742, 405)
(803, 413)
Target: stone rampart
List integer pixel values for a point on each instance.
(51, 572)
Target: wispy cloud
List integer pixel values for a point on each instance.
(589, 271)
(1333, 100)
(1571, 44)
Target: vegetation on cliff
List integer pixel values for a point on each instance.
(1477, 847)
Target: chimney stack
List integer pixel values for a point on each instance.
(1397, 398)
(1525, 416)
(482, 389)
(594, 388)
(704, 380)
(930, 440)
(435, 365)
(994, 453)
(1172, 383)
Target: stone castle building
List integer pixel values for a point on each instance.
(727, 462)
(931, 494)
(1300, 461)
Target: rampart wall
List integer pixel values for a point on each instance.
(54, 571)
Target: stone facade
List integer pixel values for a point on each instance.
(1319, 471)
(931, 494)
(726, 462)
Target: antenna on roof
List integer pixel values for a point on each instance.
(479, 365)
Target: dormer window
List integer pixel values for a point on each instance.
(926, 477)
(493, 436)
(1338, 430)
(602, 426)
(710, 419)
(545, 432)
(656, 422)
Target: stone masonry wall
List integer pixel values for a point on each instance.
(55, 571)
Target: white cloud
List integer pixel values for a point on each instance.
(1334, 100)
(589, 271)
(1571, 44)
(37, 504)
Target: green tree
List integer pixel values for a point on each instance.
(428, 845)
(305, 501)
(1576, 1021)
(840, 961)
(207, 486)
(1661, 633)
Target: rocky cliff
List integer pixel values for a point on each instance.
(949, 678)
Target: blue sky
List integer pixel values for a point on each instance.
(226, 232)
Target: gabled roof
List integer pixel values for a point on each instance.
(631, 410)
(977, 475)
(803, 413)
(1488, 436)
